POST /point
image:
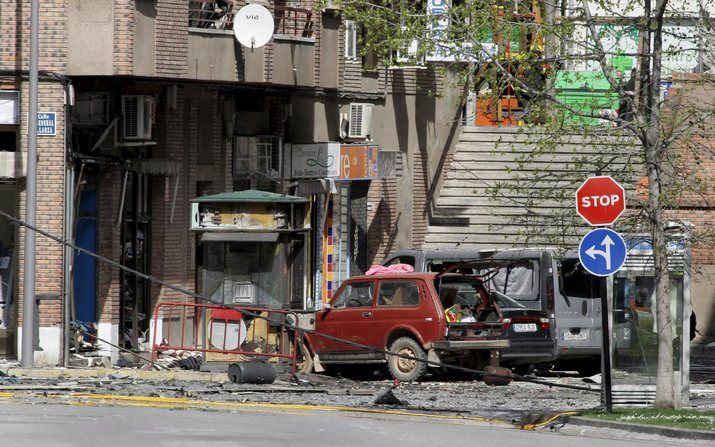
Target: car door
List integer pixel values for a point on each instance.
(578, 307)
(349, 317)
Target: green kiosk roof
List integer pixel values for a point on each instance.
(250, 195)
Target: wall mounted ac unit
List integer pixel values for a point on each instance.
(138, 114)
(360, 118)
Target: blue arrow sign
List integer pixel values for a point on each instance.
(602, 252)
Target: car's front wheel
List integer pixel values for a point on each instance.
(407, 369)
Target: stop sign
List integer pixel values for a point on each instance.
(600, 200)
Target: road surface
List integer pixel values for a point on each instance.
(23, 424)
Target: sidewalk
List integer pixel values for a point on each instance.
(670, 432)
(123, 373)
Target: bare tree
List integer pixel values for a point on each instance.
(520, 48)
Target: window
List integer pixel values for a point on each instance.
(354, 295)
(350, 40)
(9, 107)
(519, 280)
(8, 139)
(398, 293)
(258, 155)
(577, 282)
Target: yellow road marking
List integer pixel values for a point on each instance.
(175, 402)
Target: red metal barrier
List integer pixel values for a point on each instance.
(213, 318)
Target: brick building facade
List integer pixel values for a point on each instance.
(203, 89)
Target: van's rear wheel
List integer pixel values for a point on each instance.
(407, 369)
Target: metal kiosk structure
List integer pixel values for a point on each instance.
(252, 265)
(634, 342)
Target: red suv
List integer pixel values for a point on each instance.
(406, 313)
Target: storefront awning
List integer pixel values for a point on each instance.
(239, 237)
(249, 195)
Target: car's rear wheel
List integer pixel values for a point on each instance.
(407, 369)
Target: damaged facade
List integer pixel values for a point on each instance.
(303, 152)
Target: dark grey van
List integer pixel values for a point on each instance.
(538, 279)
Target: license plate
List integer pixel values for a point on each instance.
(567, 335)
(524, 327)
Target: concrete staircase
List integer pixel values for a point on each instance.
(464, 214)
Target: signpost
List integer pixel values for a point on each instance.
(600, 200)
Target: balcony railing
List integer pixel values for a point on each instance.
(293, 21)
(289, 20)
(211, 15)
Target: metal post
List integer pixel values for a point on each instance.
(28, 308)
(606, 348)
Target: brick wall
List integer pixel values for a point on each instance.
(172, 36)
(14, 55)
(124, 37)
(383, 219)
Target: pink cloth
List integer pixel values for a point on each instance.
(394, 268)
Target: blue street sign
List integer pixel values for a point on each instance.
(46, 123)
(602, 252)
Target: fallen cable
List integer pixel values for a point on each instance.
(301, 331)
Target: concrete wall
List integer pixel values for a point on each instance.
(293, 62)
(212, 56)
(329, 49)
(144, 57)
(90, 37)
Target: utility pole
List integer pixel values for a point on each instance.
(28, 307)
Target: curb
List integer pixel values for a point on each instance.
(641, 428)
(114, 374)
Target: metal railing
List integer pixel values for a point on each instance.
(212, 15)
(289, 20)
(248, 332)
(293, 21)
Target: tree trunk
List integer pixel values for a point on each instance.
(665, 393)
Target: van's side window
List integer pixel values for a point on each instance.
(577, 282)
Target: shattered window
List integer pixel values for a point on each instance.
(577, 282)
(519, 280)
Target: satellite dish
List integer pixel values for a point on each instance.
(253, 26)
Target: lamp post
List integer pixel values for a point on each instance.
(28, 308)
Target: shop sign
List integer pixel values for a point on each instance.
(315, 160)
(358, 162)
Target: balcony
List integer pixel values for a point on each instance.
(289, 20)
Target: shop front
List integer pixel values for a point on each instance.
(253, 248)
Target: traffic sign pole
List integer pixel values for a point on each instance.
(600, 201)
(606, 351)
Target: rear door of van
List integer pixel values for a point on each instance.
(577, 309)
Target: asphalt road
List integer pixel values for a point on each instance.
(23, 424)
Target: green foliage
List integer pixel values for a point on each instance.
(684, 418)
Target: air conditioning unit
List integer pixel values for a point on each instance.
(359, 118)
(138, 114)
(261, 155)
